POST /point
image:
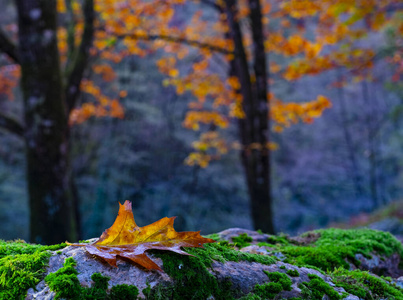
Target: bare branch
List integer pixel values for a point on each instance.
(76, 70)
(8, 47)
(12, 125)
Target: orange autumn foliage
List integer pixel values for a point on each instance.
(138, 27)
(101, 106)
(9, 80)
(286, 114)
(127, 240)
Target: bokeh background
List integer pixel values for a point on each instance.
(342, 167)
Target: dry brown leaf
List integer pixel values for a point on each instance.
(127, 240)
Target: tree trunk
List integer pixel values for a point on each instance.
(353, 170)
(253, 128)
(372, 153)
(261, 206)
(52, 217)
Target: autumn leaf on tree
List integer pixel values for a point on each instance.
(127, 240)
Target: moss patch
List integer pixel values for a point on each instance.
(316, 288)
(213, 236)
(192, 280)
(267, 290)
(65, 284)
(293, 273)
(124, 292)
(21, 247)
(243, 240)
(280, 278)
(278, 282)
(281, 239)
(366, 286)
(364, 241)
(250, 296)
(334, 246)
(22, 266)
(223, 252)
(64, 281)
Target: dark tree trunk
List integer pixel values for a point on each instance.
(253, 129)
(52, 217)
(261, 206)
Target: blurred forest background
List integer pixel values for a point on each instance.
(157, 104)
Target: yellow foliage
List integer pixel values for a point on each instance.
(285, 114)
(216, 97)
(61, 6)
(194, 118)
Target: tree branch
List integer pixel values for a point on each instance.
(12, 125)
(8, 47)
(70, 30)
(76, 70)
(214, 5)
(174, 39)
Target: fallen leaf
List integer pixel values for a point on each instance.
(127, 240)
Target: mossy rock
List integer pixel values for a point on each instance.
(22, 266)
(217, 271)
(328, 249)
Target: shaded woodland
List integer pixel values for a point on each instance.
(269, 115)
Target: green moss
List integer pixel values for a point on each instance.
(124, 292)
(366, 286)
(268, 290)
(334, 246)
(192, 278)
(280, 240)
(213, 236)
(316, 288)
(364, 241)
(264, 244)
(324, 258)
(278, 282)
(250, 296)
(21, 247)
(22, 266)
(97, 290)
(243, 240)
(20, 272)
(65, 284)
(223, 253)
(64, 281)
(280, 278)
(147, 291)
(84, 241)
(293, 273)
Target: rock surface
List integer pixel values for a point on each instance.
(243, 275)
(386, 266)
(87, 265)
